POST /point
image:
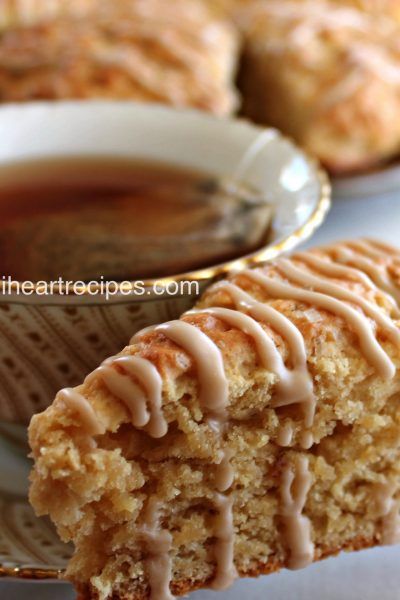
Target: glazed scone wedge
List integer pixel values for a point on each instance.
(327, 75)
(259, 431)
(120, 49)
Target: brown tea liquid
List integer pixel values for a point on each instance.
(81, 219)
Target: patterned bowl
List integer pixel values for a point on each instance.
(50, 342)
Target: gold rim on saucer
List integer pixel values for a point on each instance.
(30, 573)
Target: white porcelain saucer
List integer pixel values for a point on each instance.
(376, 182)
(29, 546)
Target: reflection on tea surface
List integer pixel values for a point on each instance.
(82, 218)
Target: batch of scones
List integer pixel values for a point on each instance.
(326, 72)
(259, 431)
(121, 50)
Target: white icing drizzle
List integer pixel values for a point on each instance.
(344, 88)
(370, 346)
(125, 389)
(376, 60)
(151, 380)
(304, 278)
(224, 549)
(214, 397)
(269, 315)
(292, 386)
(386, 248)
(145, 408)
(138, 403)
(116, 373)
(315, 17)
(334, 270)
(268, 353)
(285, 435)
(78, 403)
(374, 277)
(304, 23)
(295, 484)
(213, 390)
(295, 385)
(225, 474)
(387, 507)
(371, 276)
(369, 249)
(158, 544)
(362, 256)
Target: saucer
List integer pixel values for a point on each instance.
(29, 546)
(376, 182)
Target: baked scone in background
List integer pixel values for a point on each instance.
(325, 72)
(390, 8)
(173, 52)
(260, 431)
(327, 75)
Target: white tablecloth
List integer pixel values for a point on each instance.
(368, 575)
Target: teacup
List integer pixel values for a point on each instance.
(50, 342)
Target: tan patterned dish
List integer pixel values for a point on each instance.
(49, 342)
(29, 547)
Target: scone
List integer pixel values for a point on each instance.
(390, 8)
(259, 431)
(123, 50)
(328, 76)
(29, 12)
